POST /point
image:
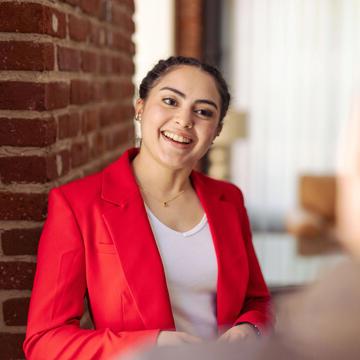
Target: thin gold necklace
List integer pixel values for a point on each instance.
(165, 203)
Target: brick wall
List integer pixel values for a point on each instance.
(189, 16)
(65, 111)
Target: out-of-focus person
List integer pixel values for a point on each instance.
(323, 322)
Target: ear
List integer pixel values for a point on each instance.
(139, 106)
(219, 128)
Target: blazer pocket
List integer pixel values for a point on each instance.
(106, 248)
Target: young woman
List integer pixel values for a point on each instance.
(163, 253)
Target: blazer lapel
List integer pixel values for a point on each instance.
(131, 232)
(226, 232)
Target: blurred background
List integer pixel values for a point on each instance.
(69, 74)
(292, 67)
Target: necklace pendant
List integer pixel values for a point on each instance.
(165, 204)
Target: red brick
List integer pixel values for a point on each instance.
(130, 25)
(109, 39)
(22, 95)
(120, 113)
(25, 169)
(129, 68)
(118, 65)
(92, 7)
(105, 13)
(39, 56)
(69, 59)
(106, 64)
(122, 20)
(131, 47)
(97, 146)
(31, 18)
(97, 35)
(128, 112)
(99, 91)
(127, 89)
(82, 92)
(11, 346)
(118, 17)
(65, 161)
(131, 5)
(16, 95)
(123, 136)
(119, 137)
(79, 154)
(27, 132)
(20, 241)
(23, 206)
(89, 61)
(119, 41)
(189, 27)
(90, 120)
(52, 168)
(113, 114)
(124, 44)
(15, 311)
(16, 275)
(106, 116)
(128, 3)
(69, 125)
(57, 95)
(78, 28)
(114, 90)
(57, 165)
(54, 22)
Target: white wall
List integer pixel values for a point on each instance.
(154, 34)
(292, 67)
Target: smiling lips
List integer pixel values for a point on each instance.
(177, 138)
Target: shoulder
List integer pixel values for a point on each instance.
(225, 189)
(88, 186)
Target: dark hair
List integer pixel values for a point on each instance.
(164, 66)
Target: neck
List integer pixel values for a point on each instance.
(152, 175)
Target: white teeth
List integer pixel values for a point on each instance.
(176, 137)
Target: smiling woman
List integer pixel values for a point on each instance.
(163, 253)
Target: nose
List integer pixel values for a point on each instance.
(184, 120)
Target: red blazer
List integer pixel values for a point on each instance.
(97, 241)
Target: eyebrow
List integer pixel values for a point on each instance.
(206, 101)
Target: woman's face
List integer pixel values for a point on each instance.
(180, 117)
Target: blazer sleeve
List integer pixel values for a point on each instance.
(257, 306)
(57, 301)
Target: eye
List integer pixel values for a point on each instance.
(169, 101)
(204, 112)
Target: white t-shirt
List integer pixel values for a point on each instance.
(190, 266)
